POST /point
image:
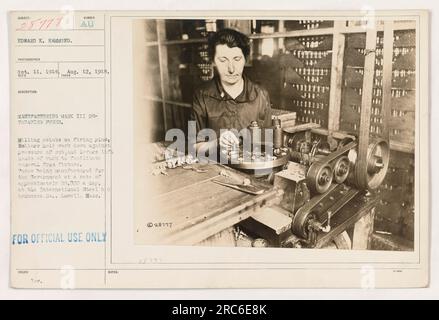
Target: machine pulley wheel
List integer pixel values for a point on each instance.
(319, 177)
(370, 175)
(301, 222)
(341, 169)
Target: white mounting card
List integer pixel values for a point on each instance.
(90, 91)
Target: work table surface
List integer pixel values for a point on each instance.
(199, 208)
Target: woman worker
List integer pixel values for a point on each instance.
(230, 100)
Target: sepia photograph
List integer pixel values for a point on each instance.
(275, 133)
(219, 149)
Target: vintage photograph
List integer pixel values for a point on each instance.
(220, 149)
(275, 133)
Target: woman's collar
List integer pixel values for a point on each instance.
(248, 94)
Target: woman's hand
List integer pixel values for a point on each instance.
(228, 139)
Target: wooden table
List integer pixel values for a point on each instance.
(199, 208)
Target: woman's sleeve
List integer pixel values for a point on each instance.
(198, 112)
(266, 109)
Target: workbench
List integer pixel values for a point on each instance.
(204, 213)
(199, 208)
